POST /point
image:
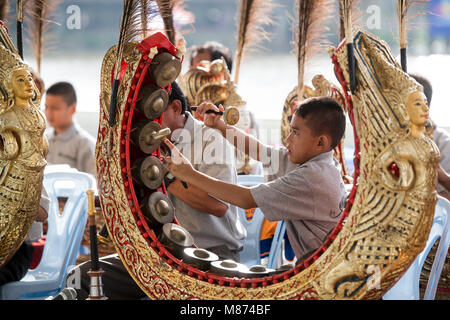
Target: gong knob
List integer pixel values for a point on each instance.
(227, 268)
(231, 116)
(153, 101)
(176, 239)
(165, 69)
(158, 208)
(200, 258)
(148, 172)
(148, 136)
(257, 271)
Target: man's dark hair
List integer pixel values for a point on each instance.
(177, 94)
(323, 115)
(426, 84)
(216, 50)
(65, 90)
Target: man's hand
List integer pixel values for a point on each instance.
(210, 119)
(42, 215)
(178, 165)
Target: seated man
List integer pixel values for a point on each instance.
(213, 224)
(68, 142)
(308, 193)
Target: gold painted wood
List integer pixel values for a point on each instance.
(387, 225)
(23, 148)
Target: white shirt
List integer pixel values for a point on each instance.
(75, 147)
(212, 155)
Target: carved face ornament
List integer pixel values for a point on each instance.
(417, 108)
(22, 86)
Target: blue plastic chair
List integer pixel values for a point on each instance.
(251, 253)
(441, 254)
(250, 180)
(64, 235)
(275, 248)
(407, 288)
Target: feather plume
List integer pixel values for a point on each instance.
(19, 9)
(166, 11)
(4, 9)
(254, 15)
(130, 28)
(403, 6)
(309, 32)
(136, 16)
(346, 7)
(145, 6)
(19, 18)
(174, 15)
(355, 18)
(39, 18)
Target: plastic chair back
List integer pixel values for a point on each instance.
(64, 236)
(275, 248)
(407, 288)
(441, 254)
(251, 253)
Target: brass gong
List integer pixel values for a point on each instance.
(158, 208)
(200, 258)
(148, 172)
(153, 101)
(165, 69)
(148, 136)
(176, 239)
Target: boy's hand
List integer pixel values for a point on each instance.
(210, 119)
(178, 165)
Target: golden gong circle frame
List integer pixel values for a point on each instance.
(362, 257)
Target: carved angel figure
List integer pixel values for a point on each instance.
(23, 149)
(394, 205)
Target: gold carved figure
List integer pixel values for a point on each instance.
(23, 148)
(211, 81)
(394, 206)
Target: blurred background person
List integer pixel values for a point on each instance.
(68, 142)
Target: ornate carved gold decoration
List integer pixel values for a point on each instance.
(385, 224)
(23, 149)
(210, 81)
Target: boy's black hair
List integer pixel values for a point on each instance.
(65, 90)
(177, 94)
(426, 84)
(323, 115)
(216, 50)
